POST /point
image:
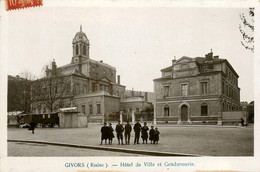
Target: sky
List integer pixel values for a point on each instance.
(138, 42)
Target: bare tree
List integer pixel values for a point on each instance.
(247, 29)
(53, 90)
(19, 92)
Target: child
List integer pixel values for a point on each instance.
(156, 136)
(151, 134)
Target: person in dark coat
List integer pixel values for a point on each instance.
(242, 122)
(32, 126)
(145, 133)
(128, 129)
(119, 132)
(156, 135)
(104, 133)
(110, 133)
(151, 134)
(137, 129)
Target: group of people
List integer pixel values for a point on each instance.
(107, 133)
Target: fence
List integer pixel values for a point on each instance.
(142, 116)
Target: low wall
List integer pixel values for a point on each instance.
(232, 115)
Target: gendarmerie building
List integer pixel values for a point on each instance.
(196, 89)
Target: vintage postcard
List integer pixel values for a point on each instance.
(129, 86)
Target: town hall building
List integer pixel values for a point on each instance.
(196, 89)
(95, 88)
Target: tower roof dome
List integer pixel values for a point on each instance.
(80, 36)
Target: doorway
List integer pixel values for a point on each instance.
(184, 113)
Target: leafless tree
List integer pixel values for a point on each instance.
(247, 29)
(19, 92)
(53, 90)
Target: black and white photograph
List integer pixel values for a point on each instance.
(91, 82)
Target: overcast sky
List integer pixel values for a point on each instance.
(137, 41)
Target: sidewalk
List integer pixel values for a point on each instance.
(205, 141)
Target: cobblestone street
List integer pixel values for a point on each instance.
(204, 140)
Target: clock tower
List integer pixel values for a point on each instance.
(80, 46)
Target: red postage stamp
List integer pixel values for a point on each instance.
(18, 4)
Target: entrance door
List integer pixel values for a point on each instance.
(184, 113)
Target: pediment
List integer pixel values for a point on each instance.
(184, 59)
(105, 79)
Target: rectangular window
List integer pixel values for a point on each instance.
(204, 88)
(90, 109)
(85, 89)
(44, 110)
(184, 89)
(166, 91)
(43, 116)
(130, 109)
(98, 109)
(137, 110)
(49, 115)
(83, 109)
(93, 86)
(184, 66)
(77, 89)
(226, 92)
(223, 88)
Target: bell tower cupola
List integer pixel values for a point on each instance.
(80, 46)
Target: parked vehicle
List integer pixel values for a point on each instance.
(25, 125)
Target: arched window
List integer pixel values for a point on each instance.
(84, 50)
(77, 49)
(204, 109)
(166, 110)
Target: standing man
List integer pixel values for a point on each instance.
(128, 129)
(242, 122)
(119, 131)
(137, 129)
(145, 132)
(104, 133)
(32, 126)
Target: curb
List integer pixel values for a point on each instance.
(132, 151)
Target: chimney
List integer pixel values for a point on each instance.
(216, 57)
(118, 79)
(174, 60)
(54, 68)
(209, 56)
(146, 96)
(101, 61)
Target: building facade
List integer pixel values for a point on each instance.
(93, 86)
(196, 89)
(137, 101)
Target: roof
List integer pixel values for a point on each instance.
(80, 37)
(15, 113)
(161, 78)
(169, 68)
(70, 109)
(132, 99)
(96, 94)
(201, 60)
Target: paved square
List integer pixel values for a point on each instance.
(199, 140)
